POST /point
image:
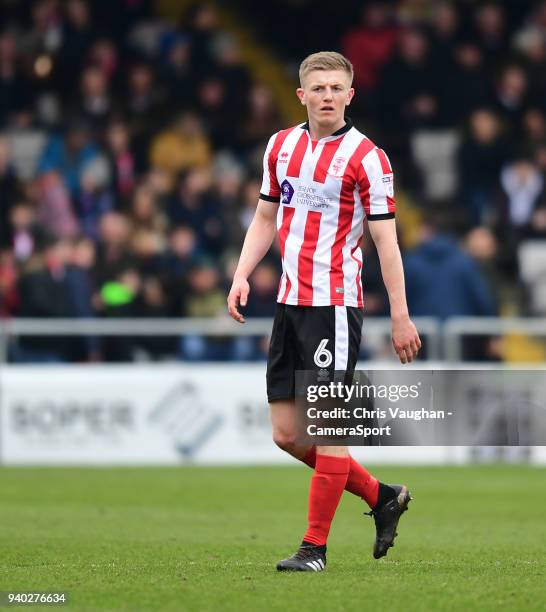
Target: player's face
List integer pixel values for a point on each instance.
(326, 93)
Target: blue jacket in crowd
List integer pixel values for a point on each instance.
(443, 281)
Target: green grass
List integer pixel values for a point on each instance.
(208, 538)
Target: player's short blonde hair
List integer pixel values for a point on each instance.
(325, 60)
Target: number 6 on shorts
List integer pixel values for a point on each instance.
(322, 356)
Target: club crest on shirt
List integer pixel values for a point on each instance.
(336, 169)
(287, 192)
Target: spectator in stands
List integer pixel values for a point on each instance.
(263, 119)
(23, 231)
(104, 55)
(144, 106)
(482, 245)
(68, 154)
(531, 44)
(512, 97)
(490, 32)
(445, 33)
(480, 159)
(9, 190)
(179, 259)
(205, 298)
(236, 79)
(144, 96)
(9, 298)
(95, 198)
(15, 88)
(523, 185)
(177, 72)
(534, 129)
(408, 91)
(83, 255)
(249, 201)
(113, 255)
(54, 288)
(55, 212)
(525, 208)
(27, 142)
(537, 227)
(218, 117)
(148, 248)
(265, 282)
(121, 159)
(95, 100)
(371, 45)
(78, 33)
(467, 87)
(119, 298)
(45, 33)
(145, 211)
(442, 281)
(181, 146)
(202, 22)
(154, 303)
(194, 205)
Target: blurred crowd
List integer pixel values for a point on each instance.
(131, 153)
(456, 93)
(130, 166)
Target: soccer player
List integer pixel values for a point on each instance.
(321, 179)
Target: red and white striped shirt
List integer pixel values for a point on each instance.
(325, 188)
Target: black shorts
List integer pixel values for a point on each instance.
(311, 338)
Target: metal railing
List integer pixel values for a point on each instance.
(220, 327)
(444, 341)
(455, 329)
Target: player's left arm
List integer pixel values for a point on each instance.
(405, 338)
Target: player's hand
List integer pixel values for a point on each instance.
(238, 295)
(405, 339)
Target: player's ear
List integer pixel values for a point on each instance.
(301, 95)
(350, 95)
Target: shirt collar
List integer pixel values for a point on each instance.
(342, 130)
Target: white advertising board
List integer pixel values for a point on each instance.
(134, 415)
(152, 415)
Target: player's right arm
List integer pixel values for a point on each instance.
(260, 233)
(258, 240)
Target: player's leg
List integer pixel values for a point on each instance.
(327, 485)
(315, 339)
(284, 358)
(338, 329)
(336, 332)
(283, 424)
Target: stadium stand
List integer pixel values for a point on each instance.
(130, 155)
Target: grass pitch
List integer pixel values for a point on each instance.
(208, 538)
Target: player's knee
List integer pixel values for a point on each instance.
(286, 441)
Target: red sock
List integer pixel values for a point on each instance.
(327, 486)
(360, 482)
